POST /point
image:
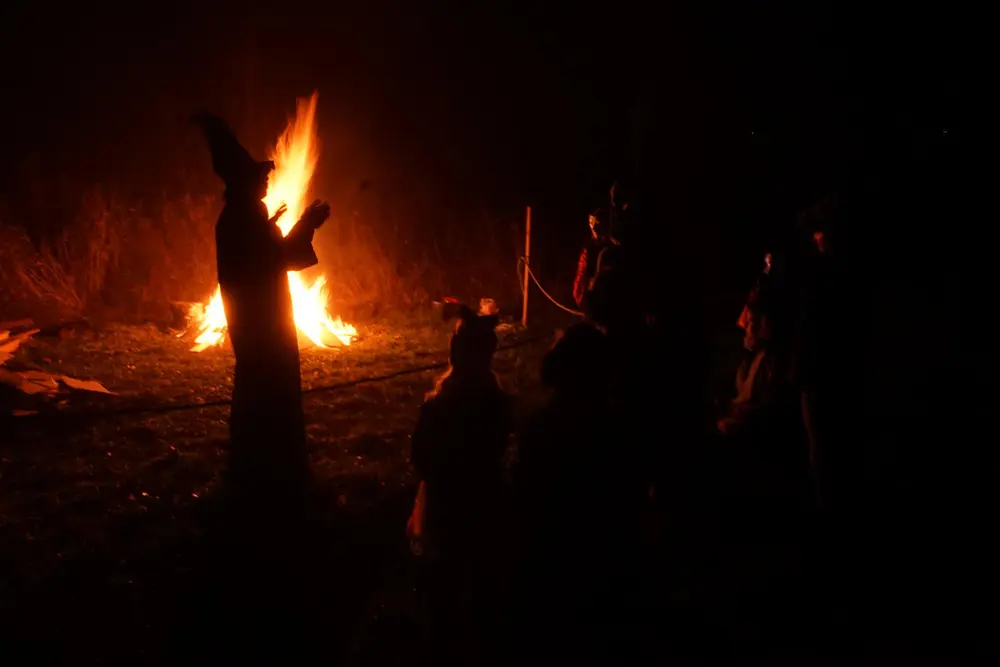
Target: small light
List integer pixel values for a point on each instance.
(944, 131)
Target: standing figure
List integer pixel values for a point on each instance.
(266, 424)
(763, 414)
(608, 287)
(592, 256)
(461, 438)
(458, 449)
(830, 353)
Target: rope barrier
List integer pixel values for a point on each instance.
(161, 409)
(548, 296)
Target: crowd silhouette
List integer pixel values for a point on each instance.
(617, 487)
(774, 460)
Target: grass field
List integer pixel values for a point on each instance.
(106, 512)
(112, 525)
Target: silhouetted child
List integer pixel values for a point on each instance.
(458, 448)
(579, 494)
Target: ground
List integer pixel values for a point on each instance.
(100, 514)
(114, 543)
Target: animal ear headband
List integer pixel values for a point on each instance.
(452, 308)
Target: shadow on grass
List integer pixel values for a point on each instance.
(266, 581)
(288, 583)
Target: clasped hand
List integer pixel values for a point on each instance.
(314, 215)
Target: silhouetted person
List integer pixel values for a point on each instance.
(620, 302)
(763, 379)
(258, 550)
(458, 448)
(593, 258)
(267, 429)
(606, 288)
(578, 497)
(762, 432)
(829, 354)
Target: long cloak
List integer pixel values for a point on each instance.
(267, 428)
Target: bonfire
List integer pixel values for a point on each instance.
(295, 156)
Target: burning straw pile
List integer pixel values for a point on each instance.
(294, 158)
(101, 253)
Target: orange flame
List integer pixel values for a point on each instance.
(295, 157)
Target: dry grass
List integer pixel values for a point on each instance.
(117, 504)
(147, 367)
(124, 261)
(34, 280)
(374, 268)
(110, 256)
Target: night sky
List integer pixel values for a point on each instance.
(485, 107)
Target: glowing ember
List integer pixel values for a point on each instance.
(294, 160)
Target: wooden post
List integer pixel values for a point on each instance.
(527, 260)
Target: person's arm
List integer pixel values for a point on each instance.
(747, 412)
(297, 250)
(807, 370)
(421, 441)
(817, 425)
(296, 247)
(580, 283)
(733, 423)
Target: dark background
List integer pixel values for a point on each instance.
(492, 105)
(726, 119)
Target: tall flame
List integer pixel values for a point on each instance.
(295, 157)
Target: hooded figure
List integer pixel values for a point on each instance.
(266, 424)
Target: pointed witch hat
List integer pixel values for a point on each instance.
(230, 160)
